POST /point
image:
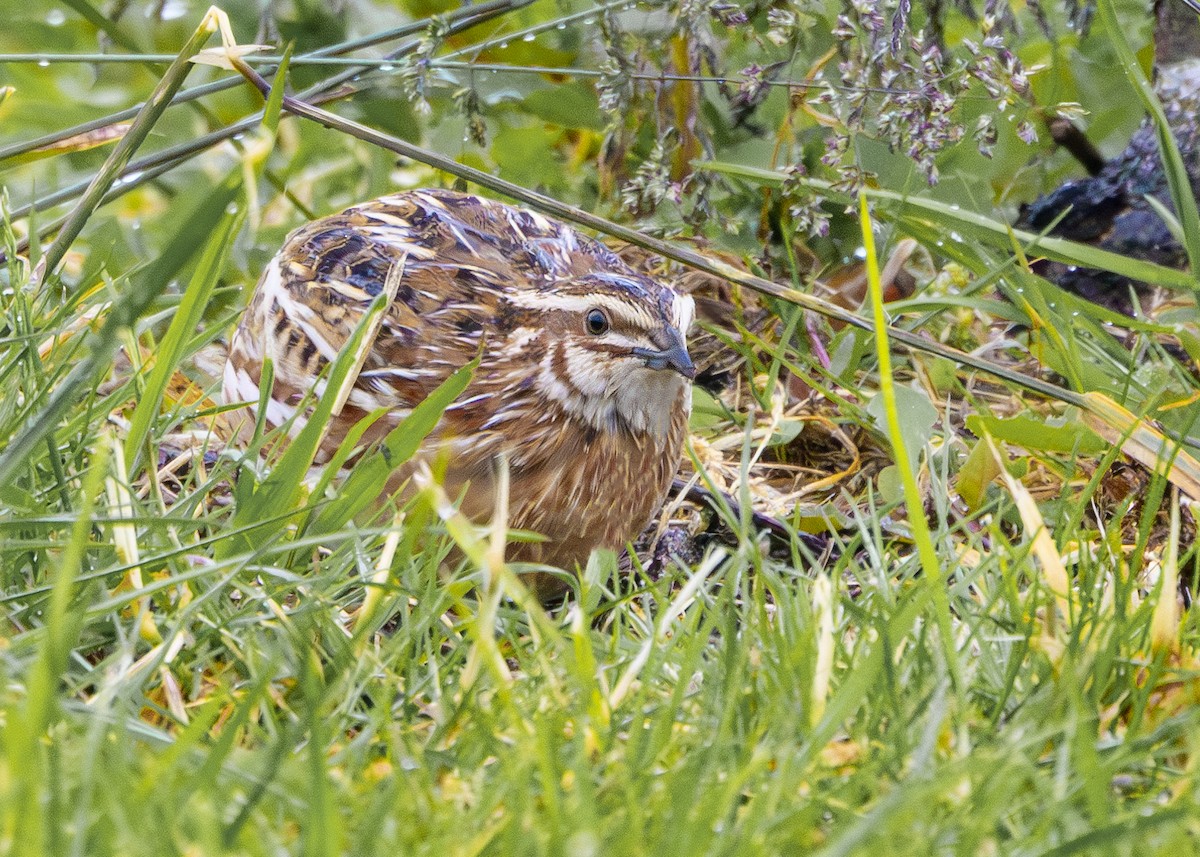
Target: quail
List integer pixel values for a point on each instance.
(583, 381)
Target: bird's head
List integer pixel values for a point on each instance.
(615, 350)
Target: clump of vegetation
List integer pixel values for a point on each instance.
(924, 586)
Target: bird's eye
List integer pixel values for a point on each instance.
(597, 322)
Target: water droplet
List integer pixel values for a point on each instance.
(954, 206)
(232, 208)
(43, 63)
(956, 238)
(560, 26)
(1020, 290)
(940, 243)
(173, 9)
(1075, 314)
(528, 37)
(503, 45)
(1072, 268)
(860, 253)
(56, 17)
(587, 22)
(386, 67)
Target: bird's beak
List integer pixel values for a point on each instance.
(674, 356)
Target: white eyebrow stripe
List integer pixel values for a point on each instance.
(631, 315)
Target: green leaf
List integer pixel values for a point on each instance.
(1036, 434)
(569, 106)
(915, 413)
(274, 105)
(976, 474)
(890, 484)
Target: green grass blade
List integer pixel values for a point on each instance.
(150, 113)
(147, 284)
(274, 106)
(369, 477)
(171, 347)
(456, 21)
(25, 730)
(995, 232)
(913, 502)
(105, 25)
(283, 487)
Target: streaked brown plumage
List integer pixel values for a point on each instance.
(583, 377)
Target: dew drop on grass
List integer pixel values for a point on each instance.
(56, 17)
(528, 37)
(386, 67)
(560, 26)
(173, 9)
(43, 63)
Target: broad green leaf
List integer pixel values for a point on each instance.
(916, 414)
(1038, 435)
(571, 106)
(976, 474)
